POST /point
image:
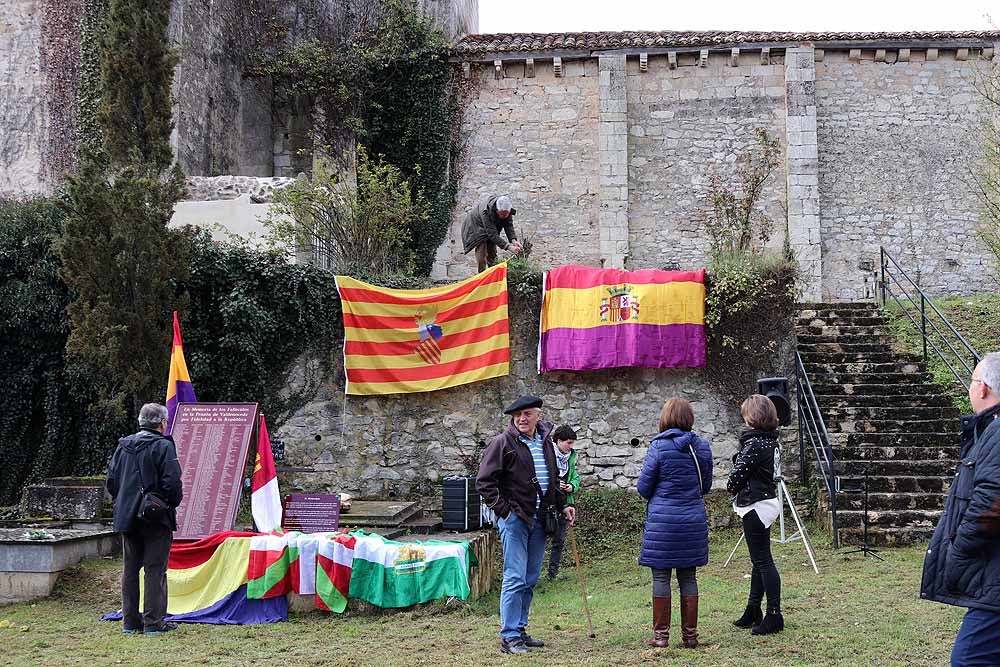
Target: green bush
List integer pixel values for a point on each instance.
(611, 522)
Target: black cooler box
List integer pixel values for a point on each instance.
(460, 504)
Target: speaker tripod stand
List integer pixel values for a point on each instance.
(784, 498)
(864, 548)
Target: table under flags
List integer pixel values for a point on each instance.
(238, 578)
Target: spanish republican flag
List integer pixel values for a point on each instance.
(265, 501)
(607, 318)
(401, 341)
(179, 387)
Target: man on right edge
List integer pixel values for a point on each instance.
(962, 565)
(518, 478)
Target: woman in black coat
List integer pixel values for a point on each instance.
(755, 499)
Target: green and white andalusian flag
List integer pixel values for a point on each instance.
(400, 574)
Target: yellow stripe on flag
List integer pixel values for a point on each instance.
(451, 328)
(397, 310)
(485, 373)
(659, 304)
(413, 360)
(193, 588)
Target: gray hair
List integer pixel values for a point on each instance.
(504, 203)
(151, 415)
(989, 371)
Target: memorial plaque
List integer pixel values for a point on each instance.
(212, 440)
(311, 512)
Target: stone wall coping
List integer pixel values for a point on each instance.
(837, 45)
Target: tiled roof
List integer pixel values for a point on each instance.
(595, 41)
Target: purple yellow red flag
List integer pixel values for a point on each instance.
(265, 500)
(401, 341)
(179, 387)
(607, 318)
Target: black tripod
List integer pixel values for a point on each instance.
(864, 548)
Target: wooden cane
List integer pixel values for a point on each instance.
(579, 575)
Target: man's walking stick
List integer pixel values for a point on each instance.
(579, 575)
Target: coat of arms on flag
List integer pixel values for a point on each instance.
(399, 341)
(607, 318)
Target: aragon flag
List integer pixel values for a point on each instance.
(265, 501)
(179, 387)
(399, 341)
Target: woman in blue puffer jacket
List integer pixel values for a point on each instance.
(676, 474)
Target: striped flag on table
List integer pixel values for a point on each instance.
(400, 341)
(607, 318)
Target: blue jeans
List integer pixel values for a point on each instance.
(978, 640)
(523, 548)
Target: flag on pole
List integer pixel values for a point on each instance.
(265, 501)
(179, 387)
(607, 318)
(399, 341)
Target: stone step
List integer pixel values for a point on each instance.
(924, 439)
(834, 401)
(831, 348)
(890, 501)
(832, 305)
(812, 341)
(886, 537)
(838, 313)
(855, 467)
(889, 392)
(424, 525)
(905, 455)
(886, 426)
(867, 321)
(890, 518)
(894, 412)
(808, 330)
(898, 483)
(874, 357)
(820, 370)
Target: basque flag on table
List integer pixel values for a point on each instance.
(265, 501)
(607, 318)
(179, 387)
(399, 341)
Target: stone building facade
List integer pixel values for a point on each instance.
(607, 142)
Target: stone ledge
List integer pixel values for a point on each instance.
(216, 188)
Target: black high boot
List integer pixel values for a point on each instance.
(752, 616)
(773, 622)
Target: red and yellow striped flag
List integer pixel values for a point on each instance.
(401, 341)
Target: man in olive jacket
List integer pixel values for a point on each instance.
(482, 226)
(518, 478)
(962, 565)
(145, 462)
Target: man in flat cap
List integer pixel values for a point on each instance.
(482, 226)
(518, 479)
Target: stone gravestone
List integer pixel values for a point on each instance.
(212, 440)
(64, 498)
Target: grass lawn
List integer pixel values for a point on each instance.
(977, 318)
(855, 612)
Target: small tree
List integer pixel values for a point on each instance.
(734, 223)
(987, 176)
(357, 228)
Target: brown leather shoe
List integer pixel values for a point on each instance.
(661, 623)
(689, 621)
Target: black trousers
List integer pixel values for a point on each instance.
(145, 547)
(764, 578)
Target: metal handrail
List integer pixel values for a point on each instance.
(811, 425)
(886, 288)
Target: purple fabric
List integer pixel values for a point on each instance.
(234, 609)
(185, 394)
(611, 346)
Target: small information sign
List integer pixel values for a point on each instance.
(311, 512)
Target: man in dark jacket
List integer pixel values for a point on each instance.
(145, 462)
(518, 478)
(482, 226)
(962, 565)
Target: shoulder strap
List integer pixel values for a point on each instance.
(697, 466)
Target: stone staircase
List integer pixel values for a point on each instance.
(882, 412)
